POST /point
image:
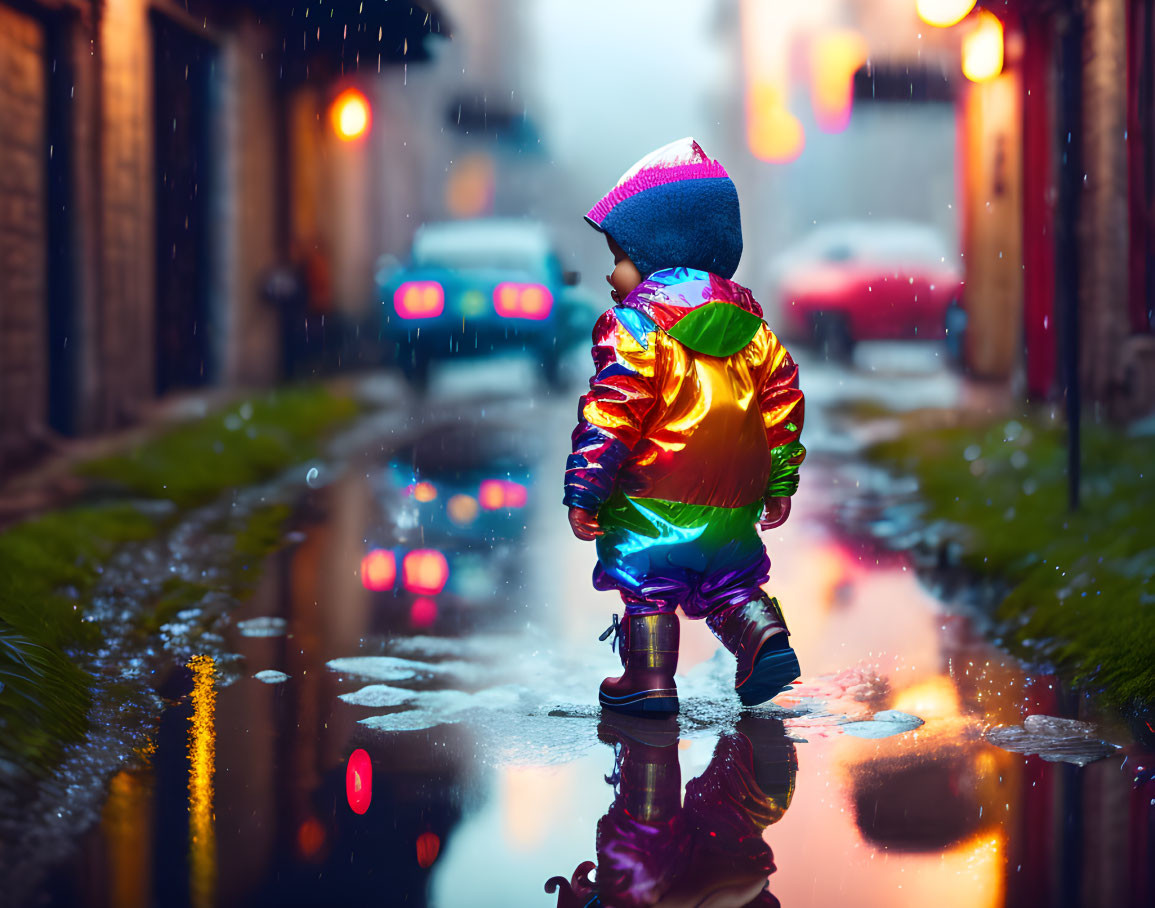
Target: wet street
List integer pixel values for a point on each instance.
(405, 712)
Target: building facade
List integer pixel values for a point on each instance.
(145, 194)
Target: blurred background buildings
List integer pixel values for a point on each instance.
(202, 194)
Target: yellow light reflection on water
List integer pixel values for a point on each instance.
(979, 866)
(202, 760)
(935, 698)
(127, 823)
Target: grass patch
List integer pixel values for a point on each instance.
(48, 565)
(1082, 594)
(247, 443)
(45, 695)
(260, 534)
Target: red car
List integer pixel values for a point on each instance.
(869, 280)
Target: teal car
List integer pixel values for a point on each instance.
(472, 288)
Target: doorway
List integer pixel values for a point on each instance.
(185, 103)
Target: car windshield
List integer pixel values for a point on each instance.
(512, 246)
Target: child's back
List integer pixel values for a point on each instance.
(690, 429)
(697, 369)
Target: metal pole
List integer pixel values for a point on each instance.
(1070, 183)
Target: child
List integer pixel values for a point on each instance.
(688, 437)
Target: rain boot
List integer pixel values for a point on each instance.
(757, 636)
(649, 650)
(774, 761)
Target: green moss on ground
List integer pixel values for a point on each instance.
(49, 564)
(260, 533)
(244, 444)
(1081, 593)
(45, 695)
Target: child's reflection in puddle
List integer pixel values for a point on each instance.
(653, 850)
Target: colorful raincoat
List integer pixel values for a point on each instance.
(692, 418)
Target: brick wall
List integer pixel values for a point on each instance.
(107, 120)
(127, 285)
(23, 347)
(247, 206)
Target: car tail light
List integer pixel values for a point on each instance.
(378, 570)
(522, 301)
(425, 572)
(496, 494)
(419, 299)
(359, 781)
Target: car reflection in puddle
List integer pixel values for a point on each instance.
(448, 543)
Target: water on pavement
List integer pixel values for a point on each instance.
(415, 719)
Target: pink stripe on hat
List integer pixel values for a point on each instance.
(680, 160)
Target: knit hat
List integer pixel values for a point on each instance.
(675, 208)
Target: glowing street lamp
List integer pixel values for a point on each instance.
(982, 49)
(350, 114)
(944, 13)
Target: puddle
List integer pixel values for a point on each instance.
(1053, 739)
(428, 732)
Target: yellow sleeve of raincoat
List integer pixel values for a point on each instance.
(782, 405)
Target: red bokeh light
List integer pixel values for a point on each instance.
(359, 781)
(423, 612)
(522, 301)
(425, 572)
(496, 494)
(378, 570)
(419, 299)
(428, 847)
(310, 837)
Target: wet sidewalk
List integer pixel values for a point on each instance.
(406, 711)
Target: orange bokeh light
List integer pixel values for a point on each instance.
(469, 189)
(462, 509)
(350, 114)
(834, 58)
(359, 781)
(982, 49)
(773, 133)
(423, 491)
(378, 570)
(425, 572)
